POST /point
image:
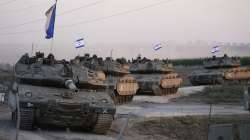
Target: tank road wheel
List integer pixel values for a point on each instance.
(168, 91)
(121, 99)
(165, 91)
(103, 123)
(129, 98)
(176, 89)
(171, 91)
(26, 118)
(125, 99)
(157, 91)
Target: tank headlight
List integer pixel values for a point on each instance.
(104, 100)
(28, 94)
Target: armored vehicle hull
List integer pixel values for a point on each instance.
(214, 77)
(155, 77)
(122, 85)
(88, 79)
(158, 84)
(240, 74)
(47, 94)
(206, 77)
(124, 88)
(221, 70)
(42, 106)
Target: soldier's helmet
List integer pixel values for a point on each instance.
(94, 56)
(86, 55)
(39, 55)
(108, 59)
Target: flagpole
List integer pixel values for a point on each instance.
(111, 53)
(78, 52)
(51, 45)
(32, 49)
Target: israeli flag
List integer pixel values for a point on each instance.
(79, 43)
(215, 49)
(50, 23)
(157, 46)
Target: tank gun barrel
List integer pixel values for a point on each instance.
(70, 85)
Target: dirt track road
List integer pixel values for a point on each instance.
(185, 91)
(162, 106)
(142, 106)
(167, 110)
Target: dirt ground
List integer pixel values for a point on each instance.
(152, 117)
(219, 94)
(8, 131)
(176, 128)
(183, 116)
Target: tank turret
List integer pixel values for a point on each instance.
(155, 77)
(47, 93)
(220, 70)
(117, 78)
(221, 62)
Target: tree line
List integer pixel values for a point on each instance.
(245, 61)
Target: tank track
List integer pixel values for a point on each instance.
(165, 91)
(26, 118)
(122, 99)
(103, 123)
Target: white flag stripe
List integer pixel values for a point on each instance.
(215, 49)
(157, 47)
(79, 43)
(48, 14)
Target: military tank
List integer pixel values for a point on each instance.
(46, 94)
(118, 79)
(155, 77)
(220, 70)
(87, 78)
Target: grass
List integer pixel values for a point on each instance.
(245, 61)
(182, 128)
(4, 137)
(223, 94)
(218, 94)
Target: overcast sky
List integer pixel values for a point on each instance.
(187, 28)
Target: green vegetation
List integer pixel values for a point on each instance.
(232, 94)
(183, 128)
(187, 62)
(245, 61)
(224, 94)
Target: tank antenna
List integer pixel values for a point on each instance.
(111, 53)
(32, 49)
